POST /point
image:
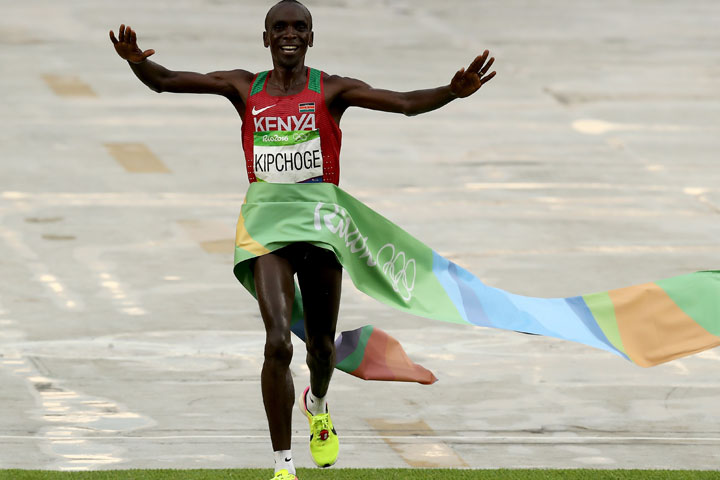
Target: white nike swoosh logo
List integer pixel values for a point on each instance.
(255, 112)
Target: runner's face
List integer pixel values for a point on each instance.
(288, 34)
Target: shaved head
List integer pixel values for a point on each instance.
(286, 2)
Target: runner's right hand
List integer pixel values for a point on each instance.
(127, 46)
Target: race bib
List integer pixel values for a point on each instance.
(288, 157)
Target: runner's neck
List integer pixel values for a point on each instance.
(287, 81)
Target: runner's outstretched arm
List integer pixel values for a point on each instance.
(160, 79)
(355, 93)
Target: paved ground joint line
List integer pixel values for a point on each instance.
(406, 438)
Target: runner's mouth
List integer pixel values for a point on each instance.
(289, 48)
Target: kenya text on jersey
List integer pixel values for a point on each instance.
(306, 121)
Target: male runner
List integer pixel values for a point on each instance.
(290, 132)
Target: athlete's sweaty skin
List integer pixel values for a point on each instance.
(288, 34)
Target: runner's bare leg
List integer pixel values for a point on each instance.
(275, 287)
(320, 284)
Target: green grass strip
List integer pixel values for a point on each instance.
(365, 474)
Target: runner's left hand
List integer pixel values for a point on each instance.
(466, 82)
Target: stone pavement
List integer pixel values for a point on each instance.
(589, 163)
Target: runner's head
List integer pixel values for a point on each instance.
(288, 32)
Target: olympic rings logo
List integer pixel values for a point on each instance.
(401, 270)
(300, 137)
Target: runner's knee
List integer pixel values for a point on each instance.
(321, 349)
(279, 348)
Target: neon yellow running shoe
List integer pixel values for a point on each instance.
(324, 443)
(284, 475)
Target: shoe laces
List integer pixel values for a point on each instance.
(321, 425)
(284, 475)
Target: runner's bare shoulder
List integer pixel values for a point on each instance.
(239, 79)
(340, 82)
(336, 85)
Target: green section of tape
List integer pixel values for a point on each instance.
(382, 260)
(353, 361)
(603, 310)
(279, 139)
(698, 295)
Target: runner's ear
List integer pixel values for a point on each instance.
(266, 40)
(312, 39)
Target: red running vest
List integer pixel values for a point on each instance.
(291, 139)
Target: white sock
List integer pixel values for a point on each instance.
(315, 405)
(284, 461)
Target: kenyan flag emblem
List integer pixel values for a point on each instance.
(307, 107)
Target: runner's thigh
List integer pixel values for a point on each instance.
(320, 278)
(275, 288)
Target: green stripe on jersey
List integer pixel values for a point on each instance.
(314, 83)
(279, 139)
(258, 83)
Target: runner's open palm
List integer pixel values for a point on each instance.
(126, 45)
(466, 82)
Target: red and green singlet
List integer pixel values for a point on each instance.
(291, 139)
